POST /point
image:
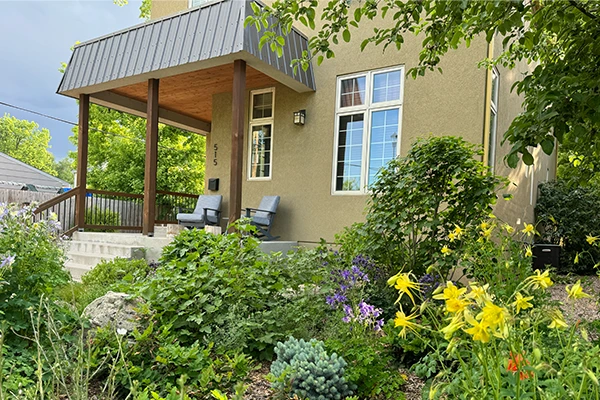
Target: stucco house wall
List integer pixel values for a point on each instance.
(452, 103)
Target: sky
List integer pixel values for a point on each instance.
(35, 37)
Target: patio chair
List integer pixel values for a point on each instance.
(207, 212)
(263, 217)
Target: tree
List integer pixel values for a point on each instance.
(25, 141)
(64, 170)
(116, 154)
(561, 94)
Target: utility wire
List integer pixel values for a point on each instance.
(64, 121)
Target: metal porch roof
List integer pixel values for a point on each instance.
(208, 32)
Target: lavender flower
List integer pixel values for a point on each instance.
(428, 284)
(7, 261)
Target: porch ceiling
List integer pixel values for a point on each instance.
(191, 94)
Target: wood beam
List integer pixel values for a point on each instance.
(82, 158)
(238, 108)
(151, 158)
(122, 103)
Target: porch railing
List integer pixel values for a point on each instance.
(114, 211)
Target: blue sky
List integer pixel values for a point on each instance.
(35, 37)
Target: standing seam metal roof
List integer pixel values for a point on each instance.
(212, 30)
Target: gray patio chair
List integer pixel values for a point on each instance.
(207, 212)
(263, 217)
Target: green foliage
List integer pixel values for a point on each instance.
(238, 297)
(25, 141)
(566, 216)
(108, 273)
(37, 268)
(116, 159)
(99, 216)
(308, 371)
(64, 170)
(560, 96)
(417, 201)
(371, 366)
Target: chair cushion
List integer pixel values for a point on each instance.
(194, 218)
(208, 201)
(268, 203)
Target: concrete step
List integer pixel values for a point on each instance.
(88, 259)
(106, 249)
(129, 239)
(76, 270)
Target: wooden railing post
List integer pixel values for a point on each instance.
(82, 159)
(151, 158)
(238, 108)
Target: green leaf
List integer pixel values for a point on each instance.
(527, 158)
(346, 35)
(548, 146)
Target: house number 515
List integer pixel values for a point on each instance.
(215, 147)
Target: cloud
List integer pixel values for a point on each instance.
(36, 38)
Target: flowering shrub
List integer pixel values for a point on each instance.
(31, 263)
(497, 338)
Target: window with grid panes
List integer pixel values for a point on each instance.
(261, 134)
(368, 122)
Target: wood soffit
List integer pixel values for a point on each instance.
(191, 93)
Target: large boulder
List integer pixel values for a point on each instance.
(113, 309)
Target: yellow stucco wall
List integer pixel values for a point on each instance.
(452, 103)
(523, 180)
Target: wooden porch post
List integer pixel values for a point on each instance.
(82, 159)
(151, 158)
(238, 108)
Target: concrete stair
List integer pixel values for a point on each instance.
(88, 249)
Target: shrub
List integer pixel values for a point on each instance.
(566, 216)
(102, 216)
(108, 273)
(31, 257)
(418, 199)
(308, 371)
(223, 288)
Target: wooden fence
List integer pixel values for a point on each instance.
(24, 196)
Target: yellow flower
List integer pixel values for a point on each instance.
(529, 230)
(478, 329)
(452, 236)
(404, 284)
(456, 305)
(486, 233)
(494, 315)
(509, 229)
(528, 252)
(576, 291)
(479, 293)
(540, 280)
(557, 320)
(591, 239)
(576, 260)
(455, 324)
(450, 292)
(458, 231)
(405, 322)
(484, 226)
(522, 303)
(446, 250)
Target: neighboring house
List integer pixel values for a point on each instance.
(15, 174)
(360, 110)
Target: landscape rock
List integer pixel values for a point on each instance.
(113, 309)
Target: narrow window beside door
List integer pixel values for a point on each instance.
(261, 134)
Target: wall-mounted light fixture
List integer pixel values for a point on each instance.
(299, 117)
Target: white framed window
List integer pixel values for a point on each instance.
(260, 134)
(493, 120)
(367, 127)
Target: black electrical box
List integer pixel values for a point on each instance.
(545, 255)
(213, 184)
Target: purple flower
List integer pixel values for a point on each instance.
(7, 261)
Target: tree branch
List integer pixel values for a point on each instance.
(578, 6)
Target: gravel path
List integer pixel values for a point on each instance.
(584, 309)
